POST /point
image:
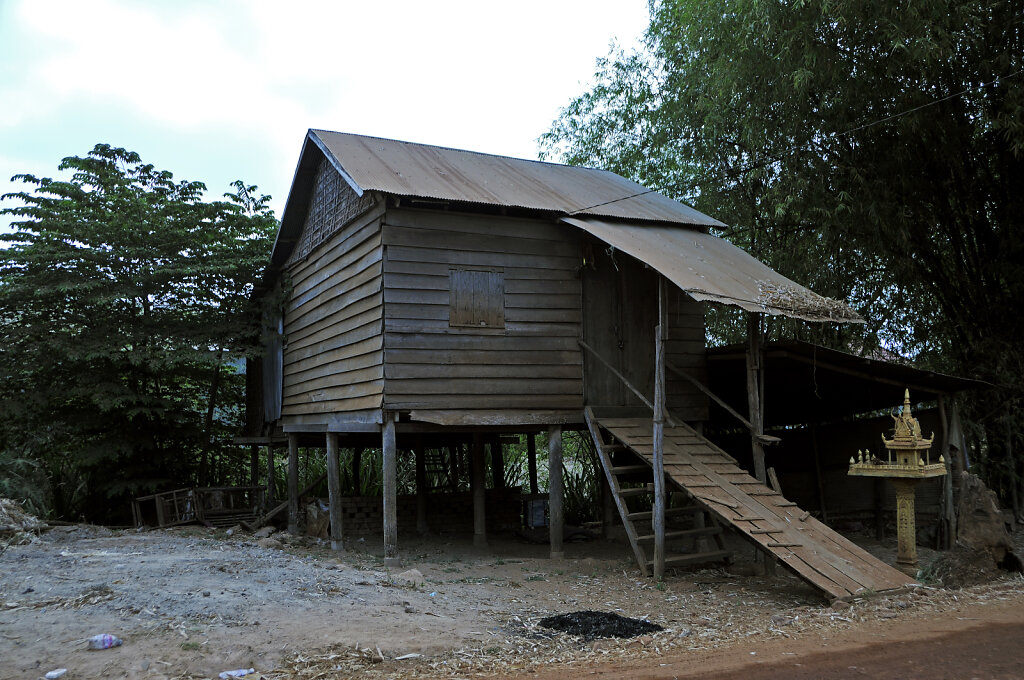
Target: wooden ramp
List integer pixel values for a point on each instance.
(828, 561)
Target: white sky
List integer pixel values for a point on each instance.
(218, 91)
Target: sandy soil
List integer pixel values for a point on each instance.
(192, 602)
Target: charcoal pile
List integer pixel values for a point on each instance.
(592, 625)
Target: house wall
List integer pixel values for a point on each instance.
(333, 359)
(685, 348)
(620, 308)
(531, 363)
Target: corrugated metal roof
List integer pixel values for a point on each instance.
(811, 383)
(709, 268)
(419, 170)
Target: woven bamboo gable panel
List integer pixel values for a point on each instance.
(332, 205)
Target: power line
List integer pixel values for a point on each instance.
(808, 145)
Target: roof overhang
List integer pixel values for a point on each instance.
(710, 269)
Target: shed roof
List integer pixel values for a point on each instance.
(711, 269)
(808, 383)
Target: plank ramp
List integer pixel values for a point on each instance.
(825, 559)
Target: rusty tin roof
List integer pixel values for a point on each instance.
(423, 171)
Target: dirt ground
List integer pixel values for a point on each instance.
(192, 602)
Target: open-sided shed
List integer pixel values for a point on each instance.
(436, 293)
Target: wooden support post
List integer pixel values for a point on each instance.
(879, 503)
(700, 543)
(389, 449)
(756, 408)
(556, 517)
(270, 475)
(453, 461)
(477, 483)
(357, 471)
(497, 464)
(334, 492)
(531, 461)
(948, 535)
(817, 474)
(254, 465)
(755, 404)
(658, 511)
(421, 488)
(607, 505)
(293, 484)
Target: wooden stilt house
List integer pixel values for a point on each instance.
(432, 294)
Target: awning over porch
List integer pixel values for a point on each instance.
(710, 269)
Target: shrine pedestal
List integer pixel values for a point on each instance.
(906, 526)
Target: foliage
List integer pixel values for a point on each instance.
(874, 152)
(125, 304)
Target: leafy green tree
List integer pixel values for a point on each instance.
(125, 300)
(872, 151)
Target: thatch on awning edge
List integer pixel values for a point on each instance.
(710, 269)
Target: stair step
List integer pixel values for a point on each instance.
(694, 558)
(684, 533)
(613, 447)
(669, 512)
(628, 493)
(629, 469)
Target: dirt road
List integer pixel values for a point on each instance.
(191, 602)
(982, 642)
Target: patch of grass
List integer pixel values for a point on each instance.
(536, 577)
(499, 562)
(191, 646)
(660, 585)
(452, 570)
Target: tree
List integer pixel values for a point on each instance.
(872, 151)
(125, 300)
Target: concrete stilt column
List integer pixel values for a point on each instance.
(390, 463)
(293, 484)
(556, 516)
(334, 492)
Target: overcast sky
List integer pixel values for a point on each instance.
(221, 90)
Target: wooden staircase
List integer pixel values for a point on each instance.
(718, 487)
(690, 523)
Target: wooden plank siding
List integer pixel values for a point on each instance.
(526, 358)
(686, 348)
(333, 323)
(620, 314)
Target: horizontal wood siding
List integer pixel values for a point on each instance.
(333, 324)
(533, 362)
(685, 348)
(620, 311)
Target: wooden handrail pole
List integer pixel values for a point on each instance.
(626, 382)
